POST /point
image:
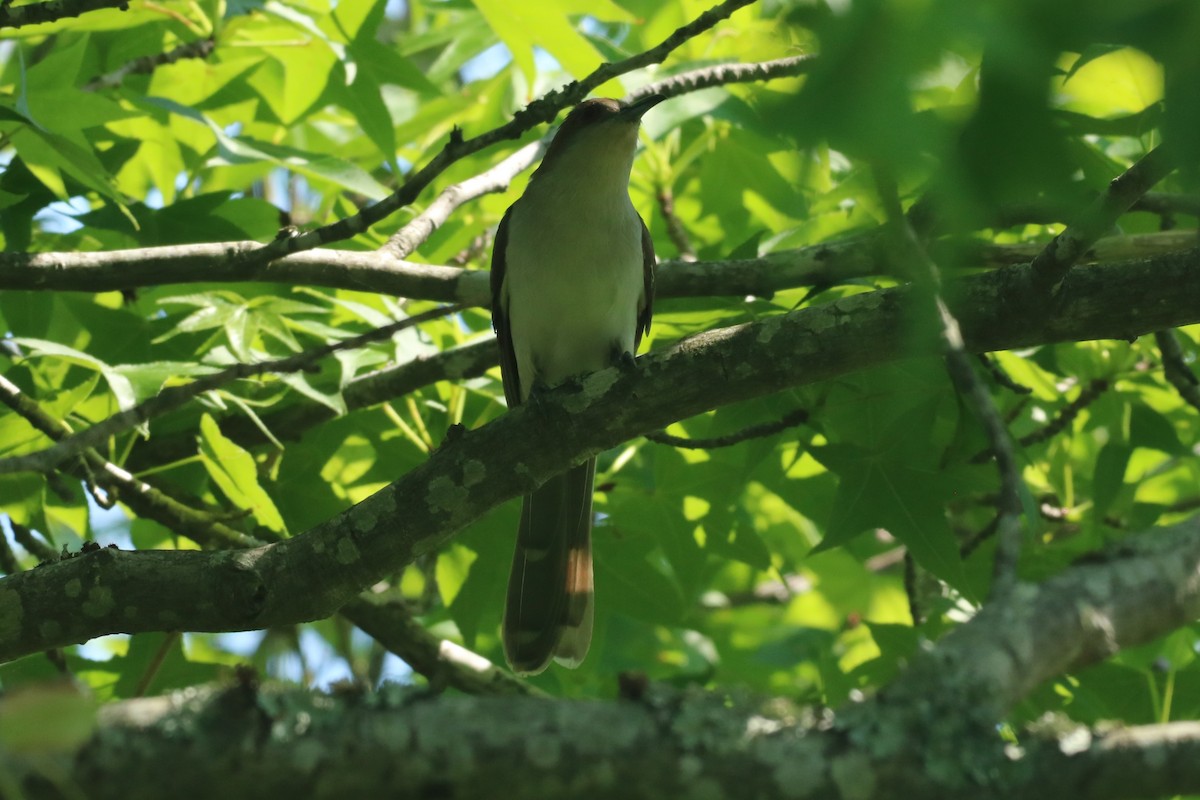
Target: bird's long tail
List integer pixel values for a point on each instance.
(548, 612)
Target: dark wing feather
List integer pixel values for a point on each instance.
(647, 311)
(508, 356)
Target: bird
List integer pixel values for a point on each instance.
(572, 283)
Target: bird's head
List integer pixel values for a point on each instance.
(602, 131)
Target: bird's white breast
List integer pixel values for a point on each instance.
(574, 274)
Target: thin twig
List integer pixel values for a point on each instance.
(1066, 416)
(720, 74)
(1001, 377)
(536, 113)
(173, 397)
(454, 364)
(1052, 263)
(36, 13)
(497, 178)
(1062, 419)
(1176, 370)
(40, 550)
(411, 236)
(201, 48)
(984, 533)
(442, 662)
(910, 589)
(8, 559)
(144, 499)
(675, 229)
(156, 661)
(968, 384)
(759, 431)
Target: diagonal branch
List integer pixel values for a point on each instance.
(1176, 369)
(721, 74)
(173, 397)
(143, 498)
(200, 48)
(35, 13)
(311, 575)
(409, 238)
(540, 111)
(1008, 506)
(442, 662)
(497, 178)
(1051, 264)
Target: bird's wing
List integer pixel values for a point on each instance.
(508, 356)
(647, 309)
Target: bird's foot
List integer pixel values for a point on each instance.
(622, 359)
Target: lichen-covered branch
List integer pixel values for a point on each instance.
(311, 575)
(931, 733)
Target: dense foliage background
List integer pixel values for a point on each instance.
(809, 559)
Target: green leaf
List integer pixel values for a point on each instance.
(44, 719)
(243, 150)
(875, 492)
(120, 386)
(1109, 476)
(1148, 428)
(233, 469)
(544, 23)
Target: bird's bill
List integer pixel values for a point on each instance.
(637, 108)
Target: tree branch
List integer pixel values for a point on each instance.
(119, 270)
(311, 575)
(820, 264)
(931, 733)
(51, 10)
(409, 238)
(442, 662)
(967, 383)
(173, 397)
(1176, 370)
(147, 501)
(1145, 761)
(760, 431)
(1051, 264)
(201, 48)
(540, 111)
(721, 74)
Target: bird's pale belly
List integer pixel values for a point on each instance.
(585, 311)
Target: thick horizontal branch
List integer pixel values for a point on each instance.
(931, 734)
(118, 270)
(310, 576)
(820, 264)
(1146, 761)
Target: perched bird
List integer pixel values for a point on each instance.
(572, 289)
